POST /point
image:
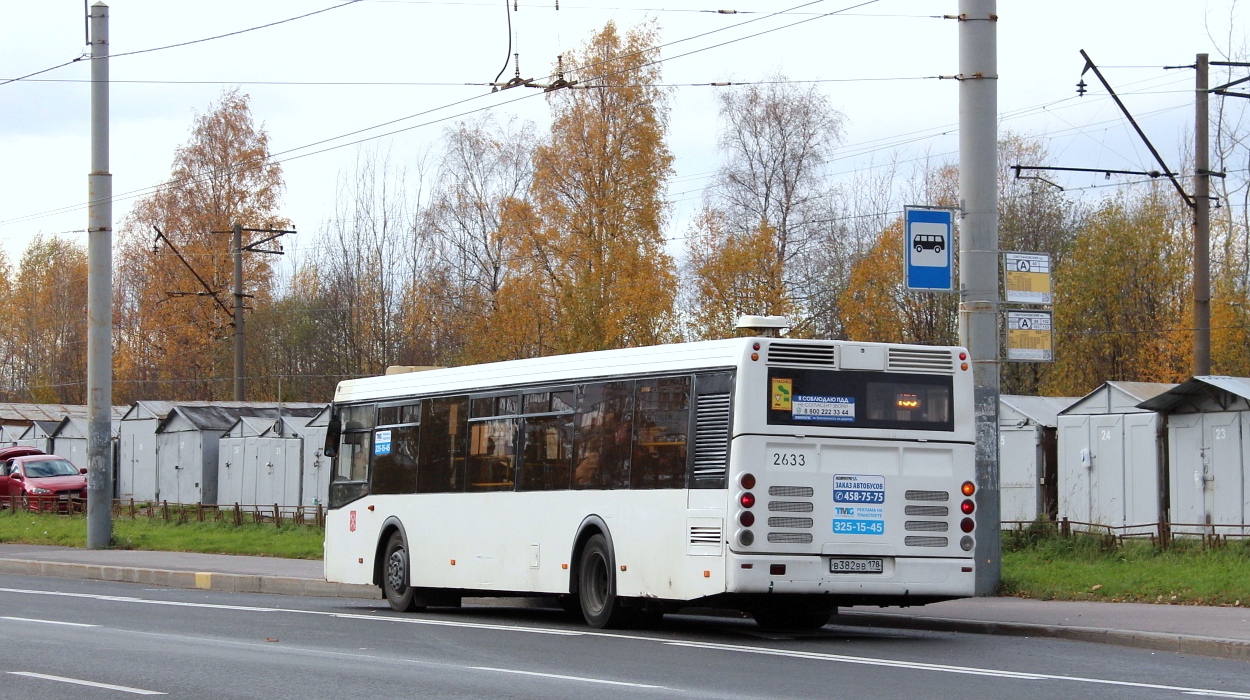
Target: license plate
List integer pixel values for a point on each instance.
(855, 566)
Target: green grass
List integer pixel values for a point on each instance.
(289, 541)
(1049, 567)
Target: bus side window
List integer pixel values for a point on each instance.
(492, 455)
(440, 468)
(547, 460)
(603, 432)
(662, 419)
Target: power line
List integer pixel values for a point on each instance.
(184, 43)
(274, 157)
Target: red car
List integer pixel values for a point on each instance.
(43, 482)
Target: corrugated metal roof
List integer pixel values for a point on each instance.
(1043, 410)
(77, 427)
(161, 409)
(24, 413)
(1198, 387)
(1107, 398)
(221, 416)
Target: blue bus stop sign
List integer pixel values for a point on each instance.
(927, 238)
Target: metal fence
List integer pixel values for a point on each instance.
(1161, 534)
(278, 515)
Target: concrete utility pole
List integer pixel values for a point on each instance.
(99, 294)
(978, 261)
(236, 247)
(1202, 223)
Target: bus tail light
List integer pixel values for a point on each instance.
(968, 488)
(966, 544)
(967, 507)
(746, 538)
(747, 518)
(747, 480)
(747, 499)
(967, 525)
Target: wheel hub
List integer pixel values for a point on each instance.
(395, 570)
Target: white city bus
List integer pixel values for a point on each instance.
(779, 477)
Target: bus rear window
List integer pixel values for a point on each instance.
(833, 399)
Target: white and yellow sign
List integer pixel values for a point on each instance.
(1026, 278)
(1029, 336)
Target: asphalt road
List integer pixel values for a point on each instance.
(66, 638)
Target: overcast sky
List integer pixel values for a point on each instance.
(309, 81)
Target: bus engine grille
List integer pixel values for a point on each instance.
(711, 438)
(930, 511)
(792, 491)
(920, 360)
(913, 495)
(791, 522)
(790, 537)
(795, 354)
(791, 506)
(918, 541)
(926, 526)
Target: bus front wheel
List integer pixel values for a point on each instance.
(395, 563)
(596, 586)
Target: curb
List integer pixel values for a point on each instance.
(1155, 641)
(203, 580)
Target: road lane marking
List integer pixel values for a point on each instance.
(943, 668)
(47, 622)
(558, 676)
(93, 684)
(815, 656)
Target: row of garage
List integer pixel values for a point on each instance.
(1130, 454)
(193, 452)
(1126, 454)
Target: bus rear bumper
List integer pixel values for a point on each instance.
(901, 577)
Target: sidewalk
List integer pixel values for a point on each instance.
(1208, 631)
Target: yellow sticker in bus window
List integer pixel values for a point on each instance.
(781, 391)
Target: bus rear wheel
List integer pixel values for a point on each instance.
(395, 567)
(596, 586)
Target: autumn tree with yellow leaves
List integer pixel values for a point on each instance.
(598, 192)
(1122, 296)
(174, 330)
(45, 338)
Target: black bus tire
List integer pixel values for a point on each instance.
(395, 576)
(596, 586)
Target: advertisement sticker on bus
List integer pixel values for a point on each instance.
(781, 392)
(382, 443)
(858, 488)
(824, 409)
(858, 520)
(858, 500)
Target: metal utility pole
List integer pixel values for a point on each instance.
(1202, 223)
(236, 247)
(99, 294)
(978, 262)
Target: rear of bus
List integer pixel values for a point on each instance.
(851, 475)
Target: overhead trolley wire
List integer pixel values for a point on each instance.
(275, 156)
(184, 43)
